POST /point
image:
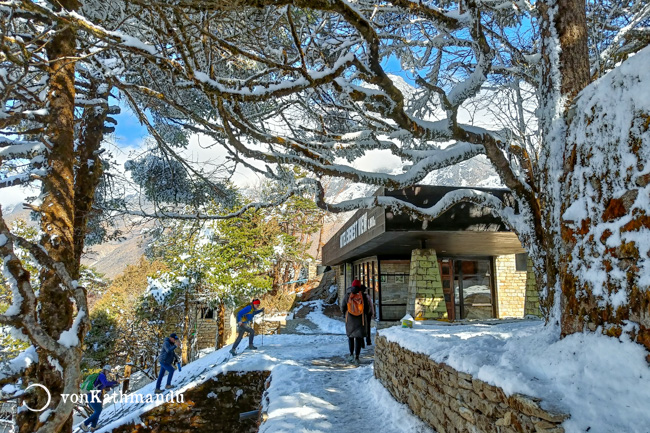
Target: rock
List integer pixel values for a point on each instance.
(530, 407)
(467, 414)
(491, 394)
(464, 383)
(506, 420)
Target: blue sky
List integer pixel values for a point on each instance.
(129, 132)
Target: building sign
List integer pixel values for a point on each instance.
(357, 228)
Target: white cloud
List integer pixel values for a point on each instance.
(14, 195)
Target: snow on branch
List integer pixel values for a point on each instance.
(618, 44)
(20, 314)
(162, 214)
(450, 199)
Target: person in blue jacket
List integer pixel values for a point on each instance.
(244, 318)
(167, 358)
(96, 399)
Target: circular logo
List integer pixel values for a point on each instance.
(49, 397)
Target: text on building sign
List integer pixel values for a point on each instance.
(357, 228)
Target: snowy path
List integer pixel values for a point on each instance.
(577, 375)
(306, 393)
(321, 397)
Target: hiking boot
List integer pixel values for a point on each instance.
(169, 387)
(159, 391)
(251, 347)
(84, 427)
(233, 352)
(355, 362)
(350, 358)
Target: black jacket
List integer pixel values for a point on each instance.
(354, 325)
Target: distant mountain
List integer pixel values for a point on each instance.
(111, 258)
(477, 172)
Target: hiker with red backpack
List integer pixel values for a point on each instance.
(245, 317)
(94, 383)
(355, 307)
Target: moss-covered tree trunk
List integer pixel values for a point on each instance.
(73, 172)
(593, 166)
(57, 218)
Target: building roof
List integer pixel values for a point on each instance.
(465, 229)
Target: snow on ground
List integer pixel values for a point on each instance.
(306, 397)
(278, 317)
(326, 325)
(603, 383)
(318, 399)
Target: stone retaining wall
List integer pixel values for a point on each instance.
(213, 406)
(453, 402)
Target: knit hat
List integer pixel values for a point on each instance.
(106, 367)
(256, 302)
(356, 283)
(174, 336)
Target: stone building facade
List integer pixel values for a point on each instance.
(512, 287)
(464, 265)
(425, 296)
(204, 327)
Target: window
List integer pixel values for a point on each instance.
(521, 262)
(473, 290)
(206, 313)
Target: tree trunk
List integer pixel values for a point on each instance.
(186, 327)
(57, 223)
(592, 263)
(90, 170)
(221, 325)
(564, 48)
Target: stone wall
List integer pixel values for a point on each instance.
(454, 402)
(511, 287)
(341, 279)
(206, 330)
(531, 306)
(425, 297)
(206, 333)
(213, 406)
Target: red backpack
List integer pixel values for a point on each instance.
(355, 304)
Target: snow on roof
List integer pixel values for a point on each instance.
(602, 382)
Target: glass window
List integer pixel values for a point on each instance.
(473, 290)
(521, 262)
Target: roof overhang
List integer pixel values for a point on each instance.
(447, 243)
(465, 229)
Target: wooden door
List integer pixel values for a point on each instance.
(447, 277)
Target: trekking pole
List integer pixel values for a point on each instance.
(122, 394)
(263, 327)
